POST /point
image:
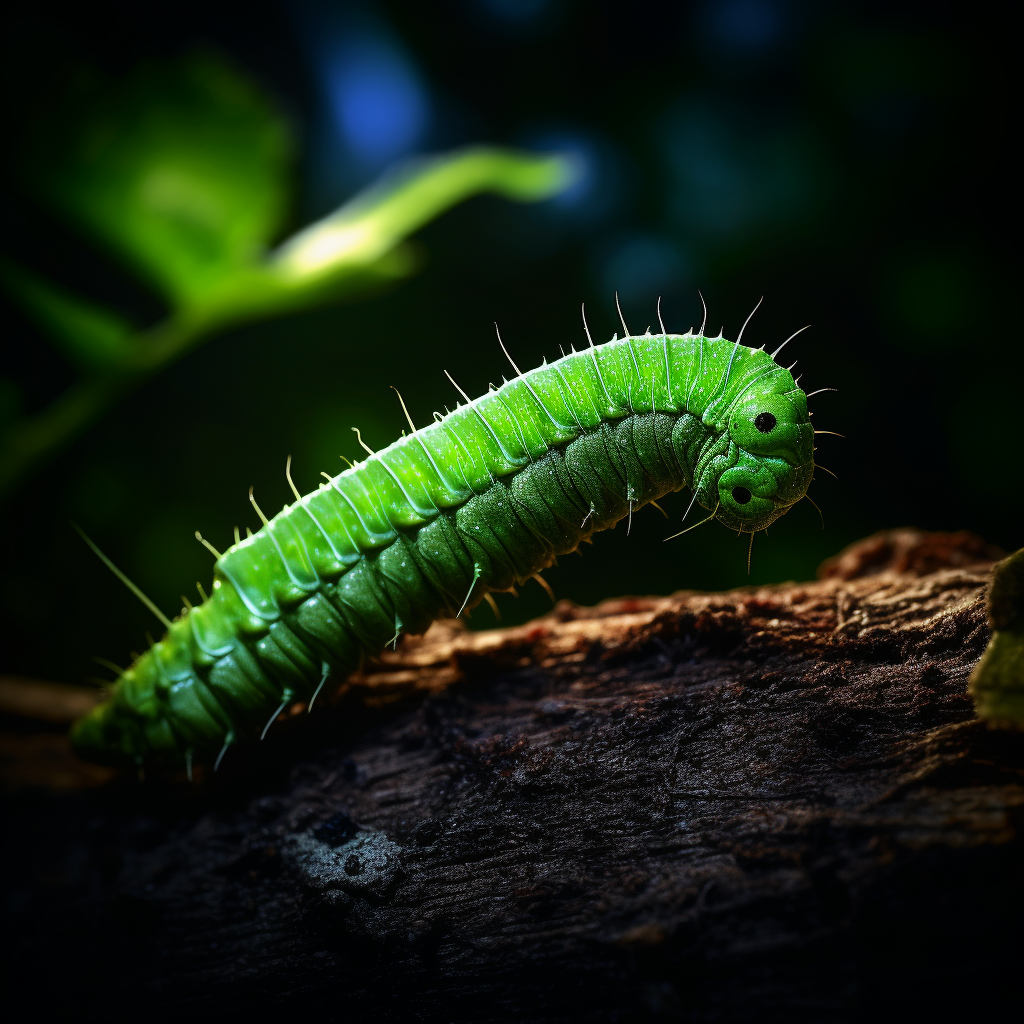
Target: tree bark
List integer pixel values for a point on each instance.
(768, 804)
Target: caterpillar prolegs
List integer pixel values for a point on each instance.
(482, 499)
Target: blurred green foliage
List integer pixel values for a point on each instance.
(182, 169)
(183, 173)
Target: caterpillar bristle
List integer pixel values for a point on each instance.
(815, 504)
(739, 337)
(622, 319)
(137, 591)
(547, 586)
(206, 544)
(288, 477)
(519, 372)
(362, 443)
(108, 664)
(408, 418)
(788, 340)
(586, 329)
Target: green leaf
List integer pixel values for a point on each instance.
(997, 682)
(92, 336)
(182, 170)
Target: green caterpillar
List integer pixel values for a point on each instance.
(481, 500)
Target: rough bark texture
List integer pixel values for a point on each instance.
(769, 804)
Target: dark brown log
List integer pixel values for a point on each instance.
(767, 804)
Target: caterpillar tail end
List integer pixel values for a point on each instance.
(89, 736)
(107, 736)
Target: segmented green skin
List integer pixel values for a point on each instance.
(481, 499)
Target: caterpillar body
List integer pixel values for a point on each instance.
(480, 500)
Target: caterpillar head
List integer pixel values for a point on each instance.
(774, 446)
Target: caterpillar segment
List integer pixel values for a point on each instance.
(480, 500)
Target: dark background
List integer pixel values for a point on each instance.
(850, 162)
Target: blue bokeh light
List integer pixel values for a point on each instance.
(378, 102)
(712, 193)
(732, 176)
(517, 12)
(516, 18)
(600, 183)
(641, 267)
(747, 25)
(373, 105)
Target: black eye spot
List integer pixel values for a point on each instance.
(765, 422)
(741, 495)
